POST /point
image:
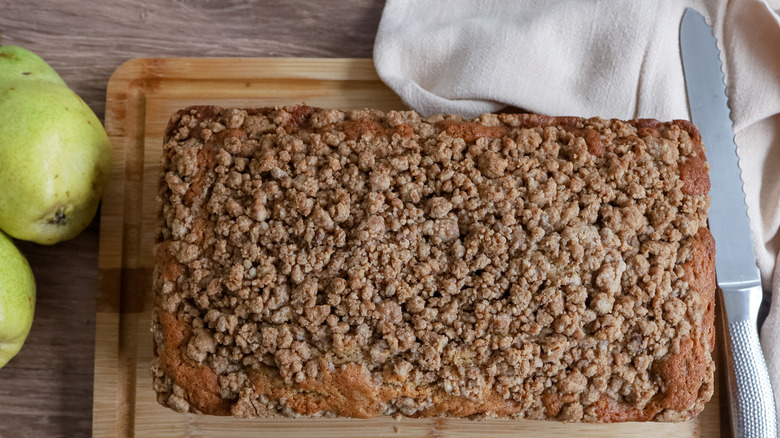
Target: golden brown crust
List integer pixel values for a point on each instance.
(199, 382)
(315, 262)
(347, 391)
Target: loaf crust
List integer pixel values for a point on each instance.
(316, 262)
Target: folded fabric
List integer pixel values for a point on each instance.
(605, 58)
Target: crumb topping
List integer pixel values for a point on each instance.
(507, 265)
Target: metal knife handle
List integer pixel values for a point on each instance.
(752, 400)
(753, 403)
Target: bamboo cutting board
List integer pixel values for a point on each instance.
(142, 94)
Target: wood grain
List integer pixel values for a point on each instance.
(46, 391)
(141, 97)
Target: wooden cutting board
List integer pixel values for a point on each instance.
(142, 94)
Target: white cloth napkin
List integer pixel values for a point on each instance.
(605, 58)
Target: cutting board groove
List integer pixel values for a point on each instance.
(142, 94)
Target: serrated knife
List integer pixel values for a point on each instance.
(751, 397)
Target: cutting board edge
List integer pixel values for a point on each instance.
(337, 69)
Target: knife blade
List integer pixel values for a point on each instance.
(751, 397)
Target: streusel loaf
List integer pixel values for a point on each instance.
(314, 262)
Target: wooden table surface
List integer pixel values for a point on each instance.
(46, 391)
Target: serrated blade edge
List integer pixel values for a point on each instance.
(735, 261)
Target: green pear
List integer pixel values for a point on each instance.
(54, 153)
(17, 299)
